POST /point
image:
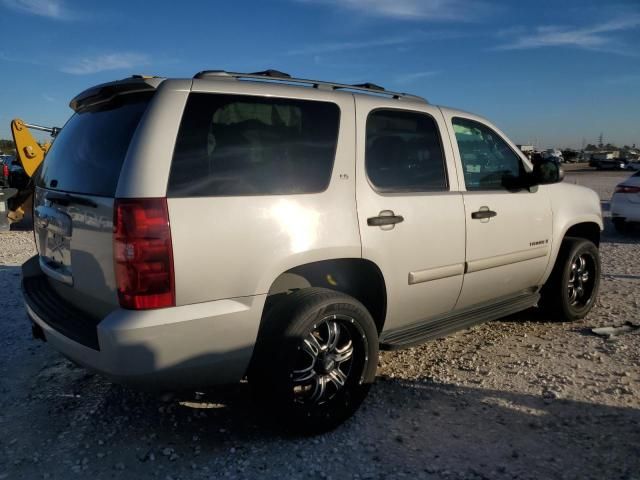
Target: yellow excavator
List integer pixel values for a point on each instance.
(16, 199)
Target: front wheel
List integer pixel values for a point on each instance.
(315, 360)
(572, 288)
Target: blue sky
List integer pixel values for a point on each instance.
(555, 71)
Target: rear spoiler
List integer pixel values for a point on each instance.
(105, 92)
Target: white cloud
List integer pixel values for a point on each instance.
(464, 10)
(341, 46)
(44, 8)
(406, 78)
(401, 42)
(594, 37)
(101, 63)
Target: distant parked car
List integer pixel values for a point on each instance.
(625, 203)
(553, 154)
(17, 176)
(633, 165)
(4, 170)
(570, 156)
(611, 164)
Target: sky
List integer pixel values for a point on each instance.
(555, 73)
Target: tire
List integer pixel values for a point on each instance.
(620, 225)
(572, 288)
(315, 359)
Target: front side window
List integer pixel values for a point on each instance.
(404, 152)
(487, 161)
(231, 145)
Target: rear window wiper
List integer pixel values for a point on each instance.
(66, 199)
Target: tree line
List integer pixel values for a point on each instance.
(7, 146)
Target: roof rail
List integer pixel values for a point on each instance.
(281, 77)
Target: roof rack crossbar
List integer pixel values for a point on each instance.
(281, 77)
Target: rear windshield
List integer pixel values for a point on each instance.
(87, 155)
(242, 145)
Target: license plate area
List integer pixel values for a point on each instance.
(57, 250)
(54, 232)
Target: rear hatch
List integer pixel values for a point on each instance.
(75, 191)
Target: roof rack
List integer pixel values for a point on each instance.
(281, 77)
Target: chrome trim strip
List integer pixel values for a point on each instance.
(435, 273)
(500, 260)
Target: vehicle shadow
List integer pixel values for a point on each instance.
(409, 426)
(611, 235)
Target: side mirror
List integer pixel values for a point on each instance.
(546, 171)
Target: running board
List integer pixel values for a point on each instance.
(440, 326)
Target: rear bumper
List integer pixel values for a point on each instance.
(187, 346)
(623, 208)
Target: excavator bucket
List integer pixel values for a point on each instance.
(30, 152)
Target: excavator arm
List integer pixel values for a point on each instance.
(29, 152)
(16, 202)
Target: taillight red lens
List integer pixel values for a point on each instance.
(143, 253)
(5, 171)
(627, 189)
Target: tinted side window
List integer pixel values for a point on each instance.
(404, 152)
(88, 153)
(487, 160)
(243, 145)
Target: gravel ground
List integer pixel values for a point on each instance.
(517, 398)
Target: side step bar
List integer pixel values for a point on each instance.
(440, 326)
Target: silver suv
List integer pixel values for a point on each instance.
(199, 231)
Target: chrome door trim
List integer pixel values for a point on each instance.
(437, 273)
(500, 260)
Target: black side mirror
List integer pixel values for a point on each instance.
(546, 171)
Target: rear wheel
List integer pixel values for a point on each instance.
(315, 359)
(572, 288)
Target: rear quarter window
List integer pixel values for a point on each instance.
(230, 145)
(87, 155)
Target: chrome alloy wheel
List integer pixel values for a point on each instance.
(329, 356)
(581, 281)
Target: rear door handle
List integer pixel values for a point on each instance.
(385, 218)
(483, 213)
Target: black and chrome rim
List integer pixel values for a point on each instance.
(581, 280)
(330, 357)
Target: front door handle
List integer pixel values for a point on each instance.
(385, 218)
(483, 213)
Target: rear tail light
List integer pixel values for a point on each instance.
(143, 253)
(627, 189)
(5, 171)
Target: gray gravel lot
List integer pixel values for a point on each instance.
(522, 397)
